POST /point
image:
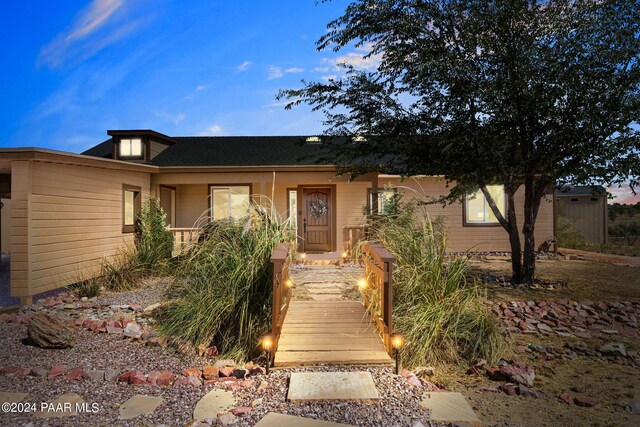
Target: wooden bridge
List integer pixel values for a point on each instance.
(341, 332)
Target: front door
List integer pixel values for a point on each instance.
(168, 204)
(317, 211)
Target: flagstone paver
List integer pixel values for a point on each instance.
(212, 404)
(273, 419)
(139, 405)
(64, 406)
(449, 407)
(6, 397)
(331, 386)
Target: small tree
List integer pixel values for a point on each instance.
(154, 242)
(524, 93)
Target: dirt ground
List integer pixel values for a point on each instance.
(600, 278)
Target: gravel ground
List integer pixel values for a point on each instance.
(150, 292)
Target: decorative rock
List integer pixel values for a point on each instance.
(139, 405)
(165, 378)
(633, 407)
(50, 332)
(152, 377)
(613, 349)
(6, 397)
(225, 363)
(132, 377)
(75, 374)
(192, 372)
(113, 330)
(226, 372)
(133, 331)
(240, 373)
(38, 372)
(190, 381)
(586, 401)
(210, 372)
(110, 375)
(95, 375)
(526, 392)
(57, 371)
(241, 410)
(226, 418)
(509, 389)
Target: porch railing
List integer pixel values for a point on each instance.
(377, 295)
(351, 236)
(280, 260)
(183, 238)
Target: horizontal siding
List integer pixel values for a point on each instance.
(76, 221)
(19, 224)
(461, 238)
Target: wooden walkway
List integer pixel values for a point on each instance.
(329, 332)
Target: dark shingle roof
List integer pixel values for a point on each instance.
(581, 190)
(229, 151)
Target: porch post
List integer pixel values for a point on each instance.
(374, 194)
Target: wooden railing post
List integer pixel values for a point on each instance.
(281, 294)
(378, 262)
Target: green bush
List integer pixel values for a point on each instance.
(87, 288)
(440, 314)
(222, 291)
(568, 237)
(154, 242)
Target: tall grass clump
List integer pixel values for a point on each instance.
(436, 307)
(222, 292)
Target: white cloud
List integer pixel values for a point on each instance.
(175, 118)
(274, 72)
(321, 69)
(200, 87)
(84, 38)
(329, 77)
(245, 66)
(214, 129)
(359, 62)
(294, 70)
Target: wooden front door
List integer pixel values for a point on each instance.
(317, 211)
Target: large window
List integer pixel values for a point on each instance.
(478, 211)
(386, 201)
(231, 201)
(130, 147)
(131, 206)
(292, 204)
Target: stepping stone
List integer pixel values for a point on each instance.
(273, 419)
(331, 386)
(6, 397)
(326, 297)
(139, 405)
(212, 404)
(64, 406)
(449, 407)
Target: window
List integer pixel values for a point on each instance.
(593, 199)
(229, 201)
(477, 210)
(131, 147)
(574, 200)
(292, 196)
(131, 206)
(386, 200)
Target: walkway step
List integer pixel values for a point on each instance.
(63, 406)
(273, 419)
(7, 397)
(450, 407)
(332, 386)
(139, 405)
(212, 404)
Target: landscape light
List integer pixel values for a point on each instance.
(345, 254)
(396, 343)
(362, 283)
(289, 283)
(267, 344)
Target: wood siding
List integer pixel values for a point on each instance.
(156, 148)
(586, 214)
(20, 230)
(5, 226)
(474, 238)
(75, 220)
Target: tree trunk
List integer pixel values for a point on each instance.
(533, 193)
(517, 273)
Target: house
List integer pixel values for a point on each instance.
(584, 210)
(69, 211)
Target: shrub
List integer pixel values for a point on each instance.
(222, 292)
(153, 241)
(88, 288)
(568, 237)
(436, 307)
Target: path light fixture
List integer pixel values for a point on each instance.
(267, 345)
(303, 256)
(396, 343)
(345, 254)
(289, 283)
(362, 283)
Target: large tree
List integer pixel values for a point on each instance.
(527, 94)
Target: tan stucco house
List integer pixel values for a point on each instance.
(69, 211)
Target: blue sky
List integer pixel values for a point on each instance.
(74, 69)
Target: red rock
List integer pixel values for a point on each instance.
(75, 374)
(137, 378)
(78, 322)
(414, 380)
(124, 376)
(566, 397)
(509, 389)
(152, 377)
(246, 383)
(187, 381)
(165, 378)
(210, 382)
(192, 372)
(241, 410)
(113, 330)
(227, 379)
(210, 372)
(257, 370)
(586, 401)
(57, 371)
(226, 371)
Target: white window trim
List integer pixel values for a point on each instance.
(225, 187)
(468, 221)
(129, 144)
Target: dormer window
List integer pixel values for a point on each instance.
(131, 147)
